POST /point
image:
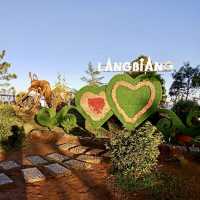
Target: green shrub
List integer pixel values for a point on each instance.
(61, 114)
(47, 117)
(135, 152)
(170, 124)
(130, 183)
(80, 119)
(6, 110)
(8, 119)
(193, 118)
(15, 140)
(5, 129)
(182, 108)
(69, 122)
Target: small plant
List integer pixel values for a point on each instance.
(61, 114)
(183, 108)
(135, 152)
(69, 122)
(79, 118)
(47, 117)
(130, 183)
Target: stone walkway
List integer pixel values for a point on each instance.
(54, 164)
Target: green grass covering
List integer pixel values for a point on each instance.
(130, 105)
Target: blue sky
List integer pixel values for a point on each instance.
(51, 36)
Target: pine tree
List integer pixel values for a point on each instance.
(5, 76)
(93, 76)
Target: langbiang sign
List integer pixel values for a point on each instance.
(137, 66)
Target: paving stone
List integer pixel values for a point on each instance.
(57, 170)
(94, 152)
(32, 175)
(57, 157)
(78, 149)
(10, 164)
(37, 160)
(76, 164)
(5, 180)
(66, 146)
(90, 159)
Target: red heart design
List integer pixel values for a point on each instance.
(96, 104)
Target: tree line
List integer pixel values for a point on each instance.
(185, 85)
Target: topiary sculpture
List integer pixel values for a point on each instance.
(171, 125)
(133, 100)
(61, 114)
(47, 117)
(68, 122)
(91, 101)
(193, 119)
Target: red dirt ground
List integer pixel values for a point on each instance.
(94, 184)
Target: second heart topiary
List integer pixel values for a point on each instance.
(133, 100)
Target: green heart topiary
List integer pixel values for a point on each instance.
(133, 100)
(92, 103)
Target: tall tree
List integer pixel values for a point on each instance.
(176, 90)
(186, 81)
(93, 76)
(5, 76)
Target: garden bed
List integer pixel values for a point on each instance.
(96, 183)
